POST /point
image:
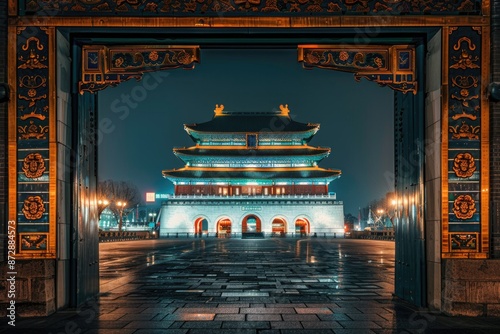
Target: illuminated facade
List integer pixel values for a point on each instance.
(250, 173)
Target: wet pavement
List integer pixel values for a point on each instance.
(267, 286)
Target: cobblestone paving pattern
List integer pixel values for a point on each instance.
(266, 286)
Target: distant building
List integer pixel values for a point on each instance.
(251, 172)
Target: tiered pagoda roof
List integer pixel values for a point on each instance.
(251, 122)
(269, 124)
(278, 149)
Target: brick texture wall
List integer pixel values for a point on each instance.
(495, 132)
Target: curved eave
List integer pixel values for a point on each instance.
(193, 154)
(268, 151)
(234, 123)
(196, 134)
(215, 174)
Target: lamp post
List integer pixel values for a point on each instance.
(121, 207)
(101, 206)
(152, 215)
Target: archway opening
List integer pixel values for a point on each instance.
(251, 224)
(224, 228)
(278, 226)
(201, 225)
(378, 128)
(302, 226)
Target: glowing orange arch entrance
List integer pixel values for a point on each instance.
(224, 227)
(302, 226)
(279, 225)
(200, 225)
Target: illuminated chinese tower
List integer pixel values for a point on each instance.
(251, 173)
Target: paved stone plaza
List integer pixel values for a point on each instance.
(268, 286)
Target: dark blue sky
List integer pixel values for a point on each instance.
(140, 122)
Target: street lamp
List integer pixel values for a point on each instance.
(121, 206)
(103, 202)
(101, 206)
(152, 215)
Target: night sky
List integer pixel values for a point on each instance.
(140, 122)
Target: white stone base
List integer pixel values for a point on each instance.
(325, 216)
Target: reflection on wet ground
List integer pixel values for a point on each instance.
(277, 285)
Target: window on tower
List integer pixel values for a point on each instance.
(251, 140)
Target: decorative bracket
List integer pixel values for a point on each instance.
(392, 66)
(104, 66)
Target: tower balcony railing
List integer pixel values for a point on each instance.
(257, 196)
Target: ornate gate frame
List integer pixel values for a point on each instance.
(34, 152)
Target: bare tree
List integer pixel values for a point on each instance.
(119, 197)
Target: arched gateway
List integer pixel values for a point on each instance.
(60, 53)
(302, 226)
(201, 225)
(224, 227)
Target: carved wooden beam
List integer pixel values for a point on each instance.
(104, 66)
(392, 66)
(181, 8)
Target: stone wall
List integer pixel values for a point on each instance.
(471, 287)
(34, 288)
(323, 218)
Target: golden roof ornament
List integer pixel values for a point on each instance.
(218, 109)
(284, 109)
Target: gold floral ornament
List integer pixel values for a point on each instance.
(464, 165)
(33, 207)
(32, 131)
(33, 165)
(153, 56)
(464, 61)
(343, 55)
(464, 207)
(464, 131)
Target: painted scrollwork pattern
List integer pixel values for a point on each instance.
(464, 165)
(464, 207)
(123, 64)
(464, 131)
(33, 241)
(372, 63)
(464, 242)
(138, 60)
(465, 80)
(33, 207)
(262, 7)
(33, 130)
(464, 136)
(32, 73)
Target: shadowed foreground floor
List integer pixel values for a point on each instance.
(274, 285)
